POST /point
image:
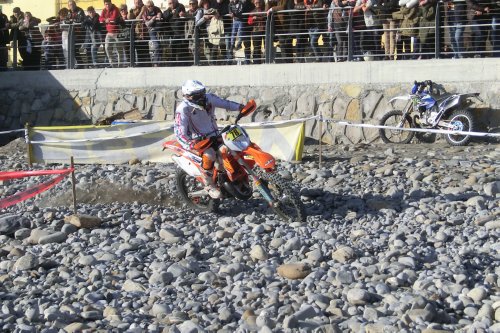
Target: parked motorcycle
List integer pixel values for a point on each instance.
(240, 167)
(425, 109)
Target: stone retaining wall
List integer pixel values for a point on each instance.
(66, 104)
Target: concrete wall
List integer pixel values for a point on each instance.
(356, 91)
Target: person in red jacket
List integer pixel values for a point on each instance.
(111, 17)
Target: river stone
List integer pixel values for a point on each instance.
(36, 235)
(56, 237)
(258, 253)
(343, 254)
(477, 294)
(358, 296)
(9, 224)
(294, 270)
(132, 286)
(26, 262)
(83, 221)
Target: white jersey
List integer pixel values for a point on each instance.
(192, 121)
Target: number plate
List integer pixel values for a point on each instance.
(233, 134)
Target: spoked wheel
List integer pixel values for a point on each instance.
(395, 118)
(288, 204)
(460, 120)
(191, 191)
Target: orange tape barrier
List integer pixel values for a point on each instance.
(31, 192)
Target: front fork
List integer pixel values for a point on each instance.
(256, 180)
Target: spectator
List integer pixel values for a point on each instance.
(29, 28)
(174, 18)
(482, 14)
(298, 30)
(93, 27)
(203, 21)
(313, 22)
(257, 24)
(248, 6)
(141, 37)
(189, 26)
(53, 52)
(408, 14)
(62, 16)
(75, 17)
(457, 16)
(389, 25)
(124, 35)
(110, 16)
(152, 18)
(222, 7)
(426, 36)
(338, 17)
(282, 28)
(370, 40)
(16, 20)
(236, 13)
(4, 40)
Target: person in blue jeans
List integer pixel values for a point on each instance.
(458, 15)
(483, 13)
(236, 13)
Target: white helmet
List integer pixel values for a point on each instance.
(195, 92)
(192, 87)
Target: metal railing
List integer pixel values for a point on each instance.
(299, 35)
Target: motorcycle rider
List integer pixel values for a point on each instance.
(195, 121)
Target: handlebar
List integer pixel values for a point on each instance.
(419, 87)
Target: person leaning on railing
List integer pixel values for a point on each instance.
(282, 28)
(76, 15)
(52, 44)
(140, 34)
(31, 33)
(110, 16)
(93, 27)
(426, 36)
(174, 22)
(407, 41)
(152, 19)
(257, 24)
(482, 14)
(4, 40)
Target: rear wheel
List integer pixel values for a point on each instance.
(395, 118)
(288, 205)
(188, 186)
(460, 120)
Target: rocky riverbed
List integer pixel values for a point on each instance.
(397, 239)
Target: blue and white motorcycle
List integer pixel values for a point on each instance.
(424, 109)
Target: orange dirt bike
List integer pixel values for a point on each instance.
(240, 167)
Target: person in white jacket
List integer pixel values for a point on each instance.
(195, 121)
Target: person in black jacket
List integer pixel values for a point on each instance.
(76, 16)
(4, 40)
(482, 14)
(174, 21)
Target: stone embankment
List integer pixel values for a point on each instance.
(397, 239)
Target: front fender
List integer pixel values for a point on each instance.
(400, 98)
(263, 159)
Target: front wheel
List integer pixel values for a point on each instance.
(460, 120)
(395, 118)
(191, 191)
(288, 205)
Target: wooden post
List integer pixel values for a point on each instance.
(319, 139)
(28, 143)
(73, 185)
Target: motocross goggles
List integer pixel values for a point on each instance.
(198, 98)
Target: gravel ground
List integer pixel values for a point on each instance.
(397, 239)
